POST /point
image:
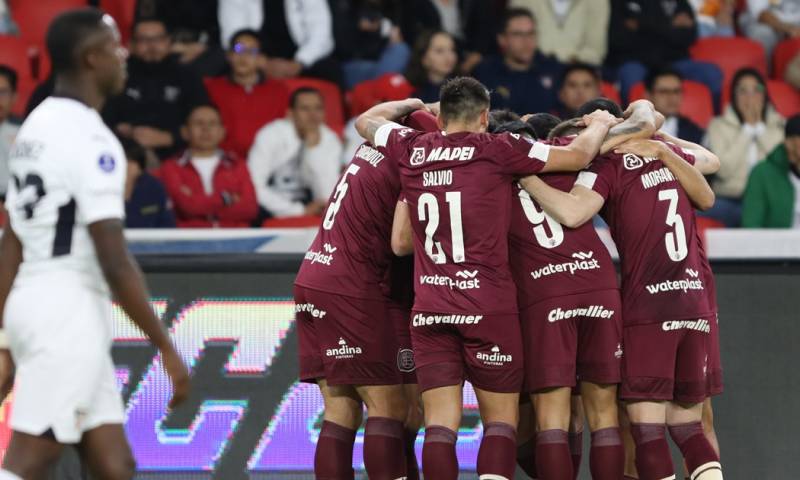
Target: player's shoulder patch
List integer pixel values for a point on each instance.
(106, 162)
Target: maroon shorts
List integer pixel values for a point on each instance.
(401, 319)
(572, 338)
(672, 360)
(345, 340)
(484, 349)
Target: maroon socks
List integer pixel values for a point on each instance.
(701, 459)
(576, 450)
(384, 448)
(553, 458)
(607, 457)
(497, 455)
(439, 459)
(653, 459)
(333, 459)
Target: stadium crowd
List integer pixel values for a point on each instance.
(235, 112)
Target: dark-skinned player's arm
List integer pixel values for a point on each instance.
(368, 123)
(402, 234)
(571, 209)
(580, 153)
(690, 178)
(127, 285)
(641, 121)
(706, 161)
(10, 259)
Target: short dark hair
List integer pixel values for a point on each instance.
(738, 77)
(654, 74)
(565, 129)
(148, 19)
(462, 98)
(11, 76)
(497, 118)
(67, 34)
(245, 32)
(302, 91)
(542, 124)
(579, 67)
(599, 103)
(517, 126)
(512, 13)
(197, 107)
(134, 151)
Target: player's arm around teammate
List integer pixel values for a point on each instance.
(402, 233)
(370, 121)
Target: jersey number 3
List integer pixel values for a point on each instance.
(675, 241)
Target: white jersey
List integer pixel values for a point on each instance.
(67, 171)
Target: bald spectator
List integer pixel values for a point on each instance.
(580, 83)
(522, 78)
(247, 99)
(209, 187)
(295, 161)
(770, 21)
(159, 94)
(571, 30)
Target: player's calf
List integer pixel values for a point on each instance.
(553, 456)
(412, 425)
(701, 459)
(607, 456)
(29, 457)
(577, 417)
(333, 458)
(526, 438)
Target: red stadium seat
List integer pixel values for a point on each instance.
(609, 91)
(334, 108)
(697, 103)
(730, 55)
(785, 98)
(783, 54)
(34, 17)
(705, 223)
(123, 12)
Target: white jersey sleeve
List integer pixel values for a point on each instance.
(98, 179)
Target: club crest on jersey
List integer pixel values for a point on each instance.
(107, 163)
(632, 162)
(441, 154)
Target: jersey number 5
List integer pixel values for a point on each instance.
(428, 211)
(538, 219)
(338, 196)
(674, 241)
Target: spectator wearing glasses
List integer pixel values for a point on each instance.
(664, 87)
(295, 161)
(746, 132)
(521, 79)
(247, 99)
(159, 94)
(9, 126)
(209, 187)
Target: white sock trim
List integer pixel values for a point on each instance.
(491, 476)
(671, 477)
(6, 475)
(706, 471)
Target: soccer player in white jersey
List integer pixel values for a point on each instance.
(61, 256)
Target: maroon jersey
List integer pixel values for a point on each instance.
(652, 222)
(458, 188)
(549, 260)
(352, 250)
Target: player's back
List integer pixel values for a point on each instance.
(67, 171)
(458, 187)
(652, 222)
(549, 260)
(352, 250)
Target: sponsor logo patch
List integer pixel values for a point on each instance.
(594, 311)
(700, 325)
(309, 308)
(106, 163)
(466, 280)
(421, 320)
(343, 351)
(324, 257)
(583, 261)
(496, 358)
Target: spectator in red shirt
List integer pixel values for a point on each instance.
(247, 100)
(210, 187)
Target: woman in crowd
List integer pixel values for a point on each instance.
(433, 61)
(742, 136)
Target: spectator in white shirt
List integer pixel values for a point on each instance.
(770, 21)
(294, 162)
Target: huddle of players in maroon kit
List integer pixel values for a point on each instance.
(513, 291)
